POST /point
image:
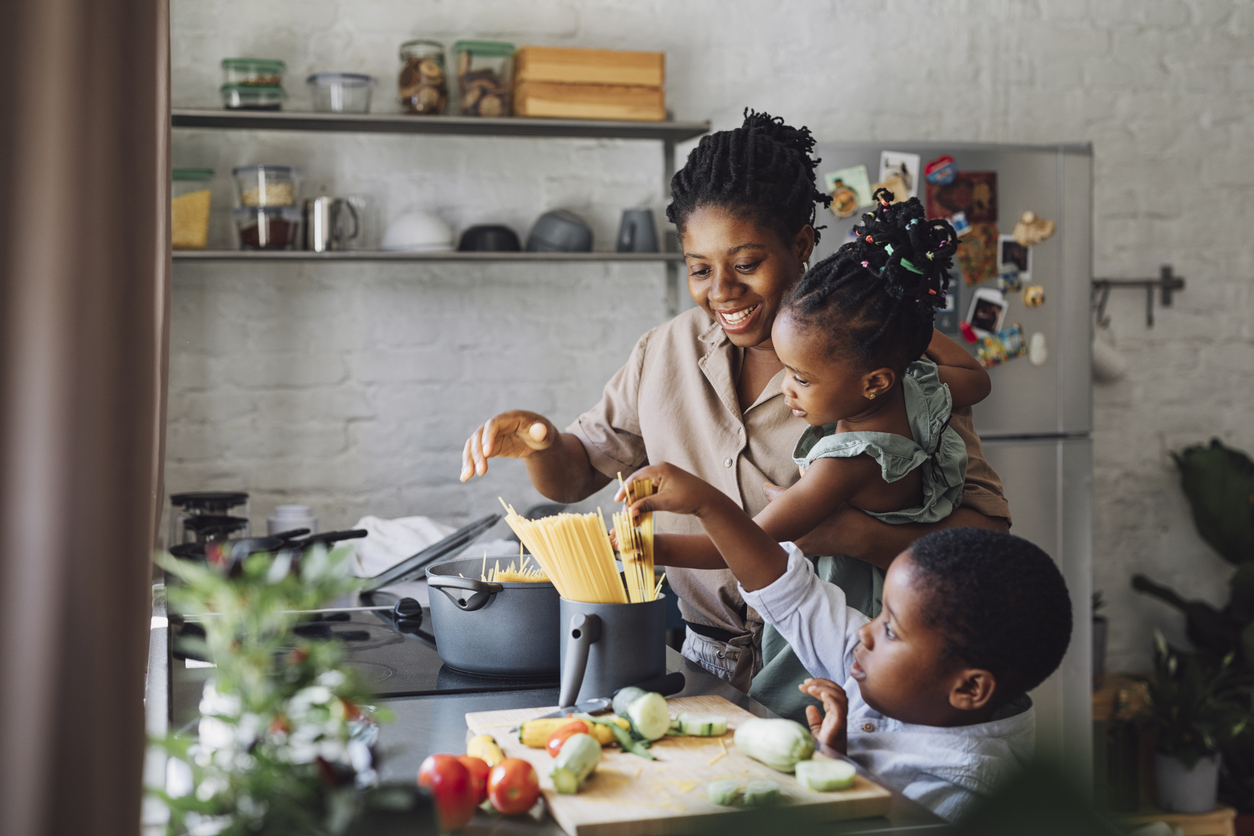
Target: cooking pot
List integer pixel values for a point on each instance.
(493, 629)
(490, 238)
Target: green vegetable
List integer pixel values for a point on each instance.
(761, 793)
(724, 792)
(577, 760)
(629, 744)
(825, 776)
(646, 710)
(702, 725)
(779, 744)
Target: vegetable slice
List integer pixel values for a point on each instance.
(825, 776)
(636, 747)
(724, 792)
(761, 793)
(702, 725)
(646, 710)
(577, 760)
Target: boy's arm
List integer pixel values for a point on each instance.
(826, 485)
(968, 381)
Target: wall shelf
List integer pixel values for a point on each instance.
(379, 255)
(400, 123)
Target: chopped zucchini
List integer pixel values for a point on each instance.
(536, 733)
(779, 744)
(636, 747)
(761, 793)
(825, 776)
(577, 760)
(725, 792)
(646, 710)
(483, 746)
(702, 725)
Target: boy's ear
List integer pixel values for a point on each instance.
(875, 384)
(973, 689)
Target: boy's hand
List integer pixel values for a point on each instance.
(678, 491)
(829, 727)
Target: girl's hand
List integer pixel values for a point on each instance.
(516, 434)
(678, 491)
(829, 727)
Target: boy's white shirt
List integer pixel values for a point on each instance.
(944, 769)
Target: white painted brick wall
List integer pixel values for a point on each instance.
(351, 387)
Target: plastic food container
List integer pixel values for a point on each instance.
(189, 208)
(246, 97)
(267, 185)
(484, 77)
(267, 227)
(253, 72)
(423, 84)
(340, 92)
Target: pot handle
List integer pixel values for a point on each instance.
(482, 591)
(584, 631)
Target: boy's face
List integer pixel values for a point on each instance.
(900, 664)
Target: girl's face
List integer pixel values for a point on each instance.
(818, 388)
(738, 272)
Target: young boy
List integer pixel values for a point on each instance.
(934, 697)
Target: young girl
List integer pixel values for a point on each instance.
(874, 381)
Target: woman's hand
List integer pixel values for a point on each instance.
(516, 434)
(676, 490)
(830, 726)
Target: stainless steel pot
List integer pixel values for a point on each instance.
(495, 629)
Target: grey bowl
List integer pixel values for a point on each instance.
(560, 231)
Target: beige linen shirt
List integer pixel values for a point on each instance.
(675, 401)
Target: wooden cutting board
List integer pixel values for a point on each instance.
(631, 796)
(589, 101)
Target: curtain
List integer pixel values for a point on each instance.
(84, 272)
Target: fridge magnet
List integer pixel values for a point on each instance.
(1009, 280)
(895, 185)
(1001, 347)
(849, 188)
(1038, 352)
(978, 254)
(1034, 296)
(1011, 255)
(971, 192)
(988, 308)
(1032, 230)
(968, 333)
(905, 166)
(941, 171)
(960, 223)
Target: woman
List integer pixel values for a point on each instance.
(703, 392)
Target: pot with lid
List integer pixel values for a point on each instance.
(190, 505)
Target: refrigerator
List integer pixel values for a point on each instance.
(1036, 424)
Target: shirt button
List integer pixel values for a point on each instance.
(740, 430)
(868, 727)
(727, 462)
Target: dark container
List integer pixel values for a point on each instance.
(627, 644)
(560, 231)
(489, 238)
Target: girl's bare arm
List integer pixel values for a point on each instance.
(967, 380)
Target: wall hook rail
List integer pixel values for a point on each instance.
(1167, 283)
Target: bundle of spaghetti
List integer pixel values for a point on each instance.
(574, 552)
(635, 544)
(524, 573)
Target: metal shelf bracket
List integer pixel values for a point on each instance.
(1167, 283)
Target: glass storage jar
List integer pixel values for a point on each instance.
(268, 227)
(266, 185)
(248, 97)
(189, 208)
(340, 92)
(484, 77)
(423, 84)
(253, 72)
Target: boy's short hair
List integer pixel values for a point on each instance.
(1000, 602)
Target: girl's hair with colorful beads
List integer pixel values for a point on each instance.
(762, 171)
(877, 295)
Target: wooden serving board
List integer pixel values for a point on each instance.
(589, 101)
(631, 796)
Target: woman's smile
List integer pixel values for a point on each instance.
(738, 320)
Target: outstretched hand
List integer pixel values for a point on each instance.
(677, 491)
(829, 726)
(516, 434)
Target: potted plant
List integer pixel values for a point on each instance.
(1099, 640)
(1194, 709)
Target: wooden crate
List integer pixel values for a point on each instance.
(590, 66)
(589, 101)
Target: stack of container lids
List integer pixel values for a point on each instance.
(567, 83)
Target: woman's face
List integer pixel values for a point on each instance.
(738, 272)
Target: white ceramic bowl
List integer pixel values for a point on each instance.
(418, 232)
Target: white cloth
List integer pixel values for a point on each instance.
(944, 769)
(391, 541)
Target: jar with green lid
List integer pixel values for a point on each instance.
(189, 208)
(484, 77)
(253, 72)
(423, 83)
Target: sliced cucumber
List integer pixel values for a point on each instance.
(702, 725)
(761, 793)
(646, 710)
(724, 792)
(577, 760)
(825, 776)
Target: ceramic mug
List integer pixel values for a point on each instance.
(636, 233)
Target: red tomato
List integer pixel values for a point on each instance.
(479, 770)
(513, 786)
(450, 784)
(561, 733)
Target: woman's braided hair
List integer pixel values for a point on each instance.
(877, 295)
(761, 171)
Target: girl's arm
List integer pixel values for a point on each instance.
(826, 485)
(967, 380)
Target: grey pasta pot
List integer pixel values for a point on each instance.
(493, 629)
